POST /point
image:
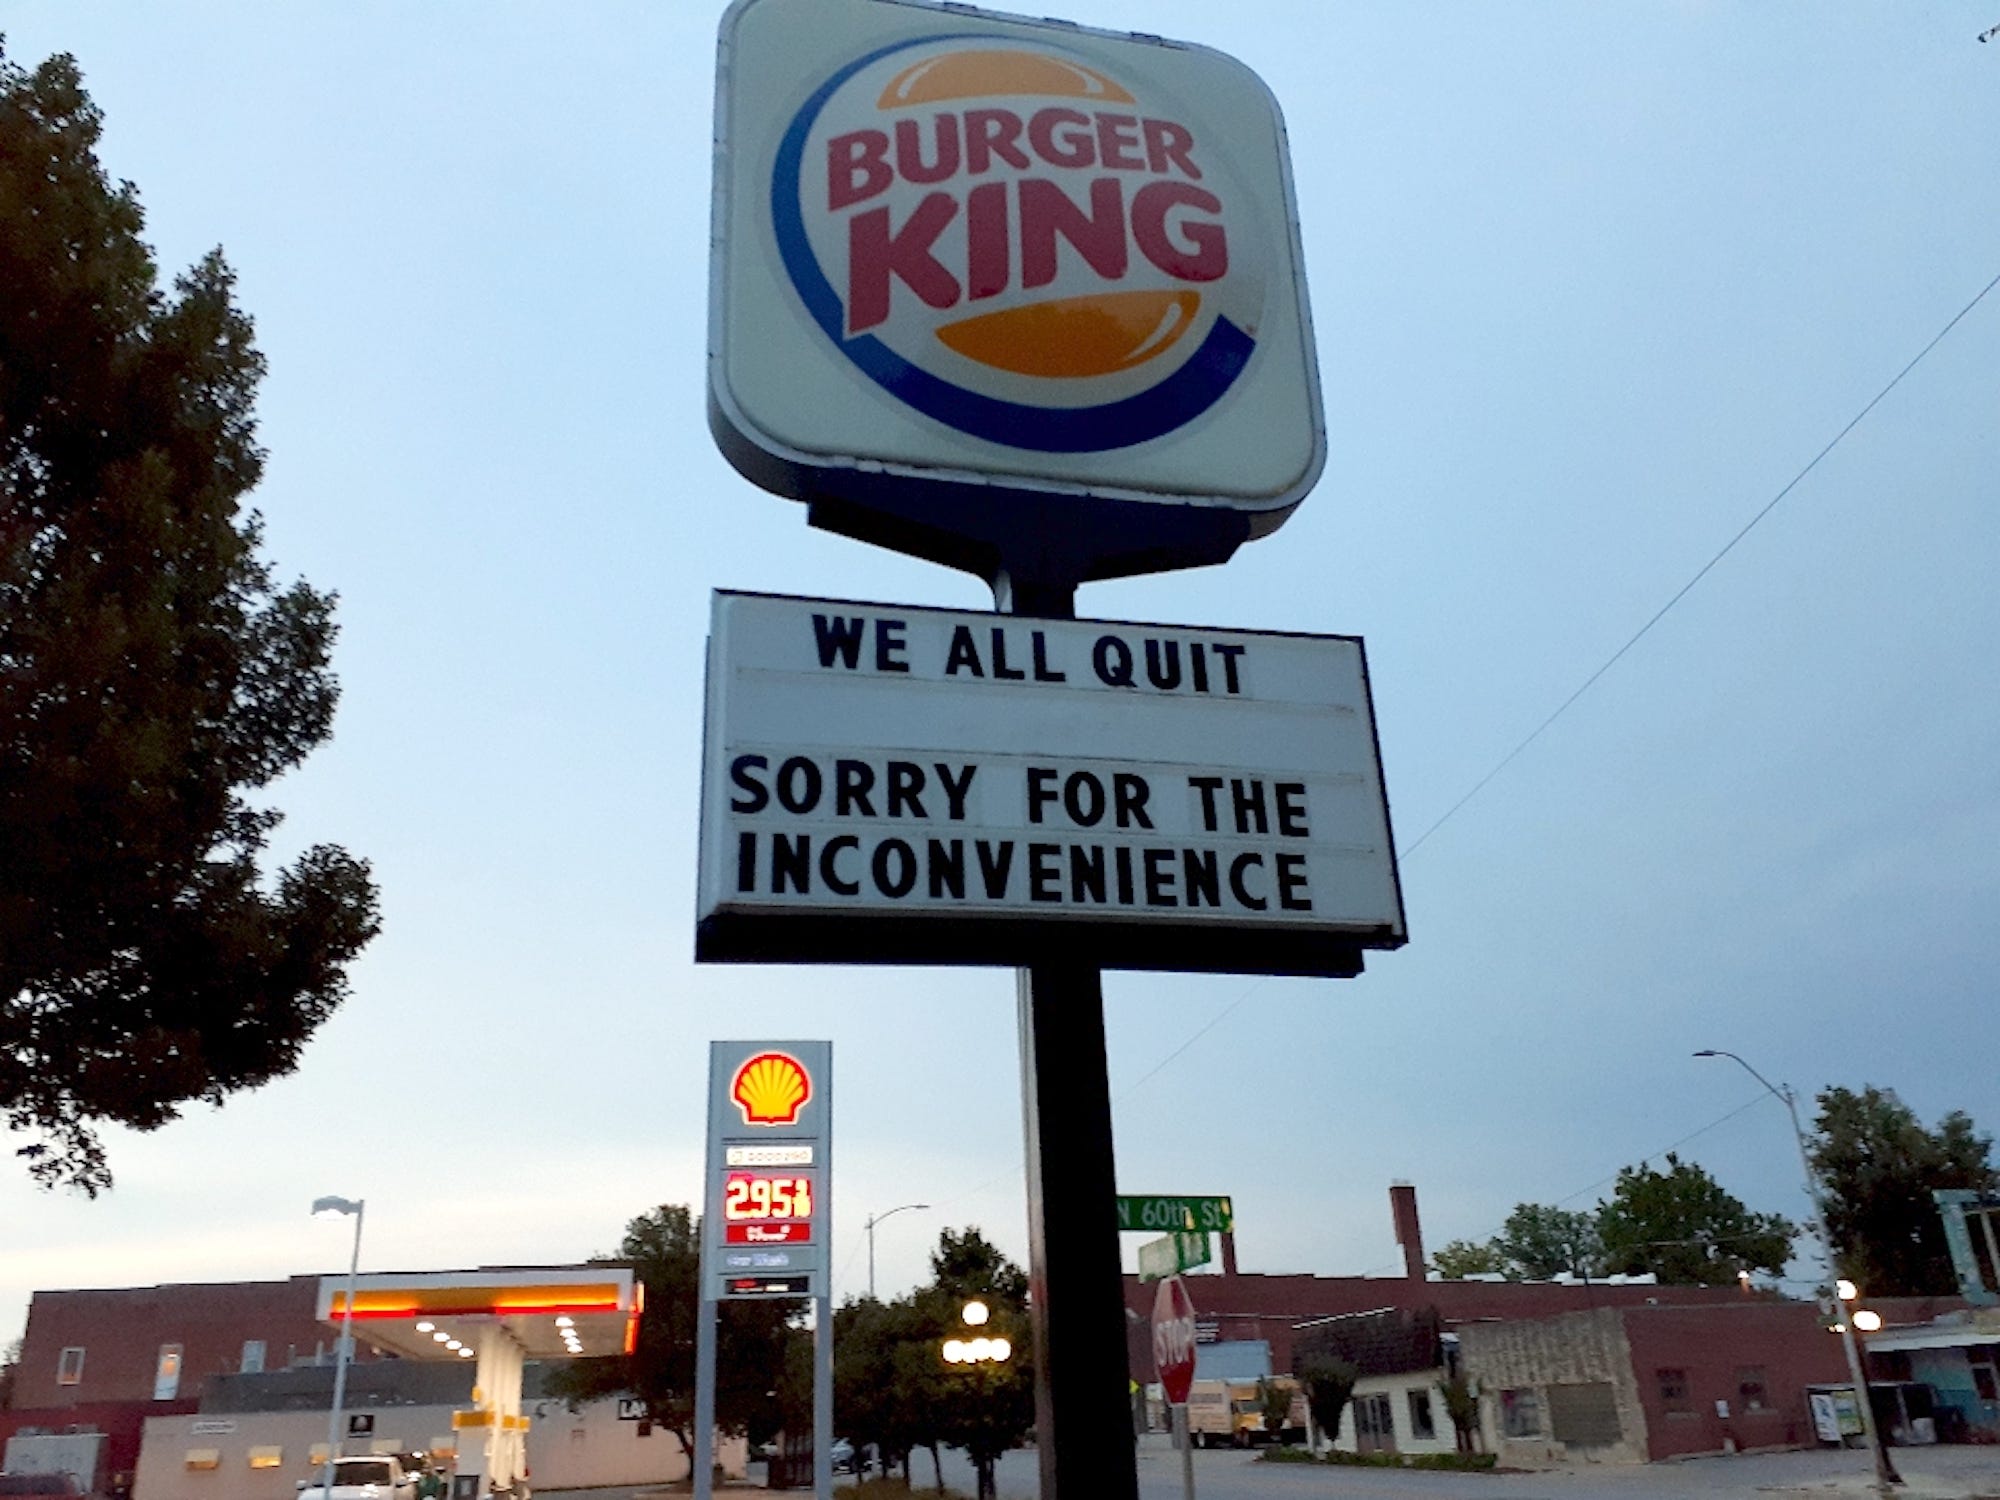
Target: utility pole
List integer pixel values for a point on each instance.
(1886, 1476)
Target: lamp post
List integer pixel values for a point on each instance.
(331, 1205)
(873, 1220)
(1885, 1470)
(979, 1355)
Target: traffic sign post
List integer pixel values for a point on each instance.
(1174, 1357)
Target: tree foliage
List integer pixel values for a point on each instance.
(1687, 1229)
(1678, 1224)
(152, 675)
(1461, 1258)
(1540, 1241)
(663, 1248)
(892, 1386)
(1880, 1165)
(1329, 1386)
(1275, 1402)
(1460, 1395)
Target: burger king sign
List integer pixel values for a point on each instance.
(980, 278)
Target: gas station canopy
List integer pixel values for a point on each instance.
(552, 1312)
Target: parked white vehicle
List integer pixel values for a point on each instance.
(374, 1478)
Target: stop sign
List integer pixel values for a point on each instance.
(1173, 1339)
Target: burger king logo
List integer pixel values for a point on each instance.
(1010, 240)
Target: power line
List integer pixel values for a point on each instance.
(1700, 573)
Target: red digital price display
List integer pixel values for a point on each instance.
(767, 1208)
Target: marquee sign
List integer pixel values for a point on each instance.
(885, 784)
(764, 1215)
(964, 260)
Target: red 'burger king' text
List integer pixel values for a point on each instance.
(1171, 221)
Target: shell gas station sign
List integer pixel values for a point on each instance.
(764, 1216)
(965, 261)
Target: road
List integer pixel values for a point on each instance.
(1226, 1475)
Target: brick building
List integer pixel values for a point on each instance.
(161, 1343)
(1236, 1305)
(106, 1359)
(1634, 1384)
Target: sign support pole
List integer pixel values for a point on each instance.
(704, 1386)
(1073, 1273)
(1184, 1440)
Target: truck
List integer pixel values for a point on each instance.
(1230, 1413)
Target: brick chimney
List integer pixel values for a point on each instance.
(1409, 1234)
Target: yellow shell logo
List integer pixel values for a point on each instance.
(771, 1089)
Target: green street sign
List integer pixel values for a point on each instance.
(1180, 1251)
(1163, 1213)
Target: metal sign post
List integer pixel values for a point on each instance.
(1073, 1270)
(766, 1219)
(1174, 1358)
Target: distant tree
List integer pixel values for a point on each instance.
(967, 1264)
(1685, 1228)
(1276, 1402)
(152, 676)
(1541, 1241)
(1462, 1258)
(1880, 1165)
(989, 1407)
(892, 1386)
(1329, 1385)
(10, 1367)
(1461, 1403)
(887, 1388)
(663, 1248)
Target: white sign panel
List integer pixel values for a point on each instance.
(963, 247)
(886, 784)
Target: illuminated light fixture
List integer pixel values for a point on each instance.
(1002, 1350)
(454, 1345)
(1868, 1320)
(955, 1352)
(464, 1353)
(976, 1313)
(426, 1328)
(565, 1321)
(441, 1336)
(1846, 1289)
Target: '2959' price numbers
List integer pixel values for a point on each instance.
(767, 1196)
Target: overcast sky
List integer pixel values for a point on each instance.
(1591, 284)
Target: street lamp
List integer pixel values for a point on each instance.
(1885, 1471)
(873, 1220)
(331, 1205)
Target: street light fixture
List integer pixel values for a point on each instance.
(1843, 1290)
(353, 1206)
(873, 1220)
